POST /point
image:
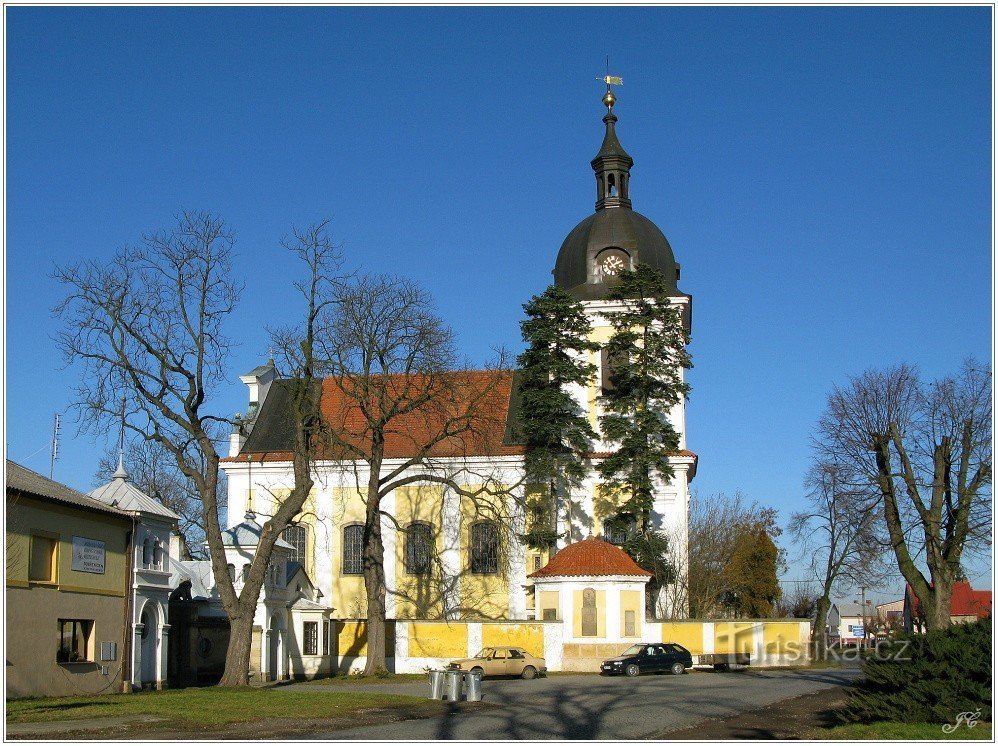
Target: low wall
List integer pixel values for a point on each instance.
(412, 646)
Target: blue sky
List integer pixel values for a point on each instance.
(823, 175)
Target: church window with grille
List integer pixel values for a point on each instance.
(353, 549)
(484, 548)
(311, 630)
(418, 548)
(620, 528)
(296, 535)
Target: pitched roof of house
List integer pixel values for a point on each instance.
(486, 395)
(965, 601)
(24, 480)
(590, 557)
(120, 492)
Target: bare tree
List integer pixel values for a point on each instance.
(716, 527)
(800, 603)
(153, 469)
(838, 531)
(390, 391)
(925, 451)
(147, 328)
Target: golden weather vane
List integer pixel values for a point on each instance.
(609, 99)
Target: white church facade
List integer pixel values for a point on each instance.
(442, 550)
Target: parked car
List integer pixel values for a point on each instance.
(503, 662)
(649, 657)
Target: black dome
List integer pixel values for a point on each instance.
(619, 228)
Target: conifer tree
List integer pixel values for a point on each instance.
(647, 352)
(556, 431)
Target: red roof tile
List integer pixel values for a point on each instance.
(965, 601)
(590, 557)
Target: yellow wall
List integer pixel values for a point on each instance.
(351, 638)
(438, 640)
(530, 637)
(420, 596)
(632, 601)
(687, 634)
(776, 635)
(550, 600)
(349, 595)
(733, 637)
(26, 516)
(600, 613)
(482, 596)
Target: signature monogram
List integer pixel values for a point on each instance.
(964, 718)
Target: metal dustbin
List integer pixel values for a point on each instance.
(473, 686)
(453, 685)
(437, 683)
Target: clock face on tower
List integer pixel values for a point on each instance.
(611, 263)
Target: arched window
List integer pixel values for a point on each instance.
(157, 554)
(484, 548)
(147, 552)
(232, 572)
(296, 535)
(353, 549)
(418, 548)
(246, 571)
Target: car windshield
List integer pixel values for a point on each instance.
(633, 650)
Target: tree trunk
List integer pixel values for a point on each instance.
(237, 655)
(936, 606)
(819, 635)
(374, 582)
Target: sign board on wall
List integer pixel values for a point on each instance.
(88, 555)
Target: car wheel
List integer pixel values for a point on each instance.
(632, 670)
(529, 672)
(720, 666)
(678, 668)
(479, 670)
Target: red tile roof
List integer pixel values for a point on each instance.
(590, 557)
(473, 405)
(965, 601)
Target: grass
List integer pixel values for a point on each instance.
(206, 707)
(891, 731)
(343, 678)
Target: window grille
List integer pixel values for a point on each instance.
(296, 535)
(484, 548)
(353, 549)
(418, 548)
(311, 646)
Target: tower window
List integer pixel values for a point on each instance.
(484, 548)
(296, 535)
(611, 186)
(353, 549)
(418, 548)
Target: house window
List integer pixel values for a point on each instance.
(418, 548)
(484, 548)
(232, 572)
(75, 640)
(296, 535)
(353, 549)
(147, 552)
(629, 625)
(246, 571)
(549, 615)
(311, 646)
(42, 564)
(157, 554)
(325, 637)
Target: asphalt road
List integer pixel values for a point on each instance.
(586, 706)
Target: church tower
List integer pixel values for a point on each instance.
(614, 238)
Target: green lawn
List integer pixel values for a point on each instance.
(207, 707)
(905, 732)
(392, 678)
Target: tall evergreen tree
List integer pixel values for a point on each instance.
(556, 430)
(647, 352)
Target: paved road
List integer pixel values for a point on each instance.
(579, 707)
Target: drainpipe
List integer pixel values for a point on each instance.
(126, 647)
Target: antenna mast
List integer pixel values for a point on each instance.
(55, 446)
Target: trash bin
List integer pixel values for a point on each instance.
(437, 683)
(473, 686)
(453, 686)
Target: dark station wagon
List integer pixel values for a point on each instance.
(649, 657)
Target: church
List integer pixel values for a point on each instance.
(444, 556)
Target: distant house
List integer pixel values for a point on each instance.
(966, 605)
(848, 623)
(66, 589)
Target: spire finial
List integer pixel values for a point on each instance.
(609, 99)
(120, 472)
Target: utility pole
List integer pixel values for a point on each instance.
(866, 632)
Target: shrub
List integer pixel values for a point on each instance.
(927, 678)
